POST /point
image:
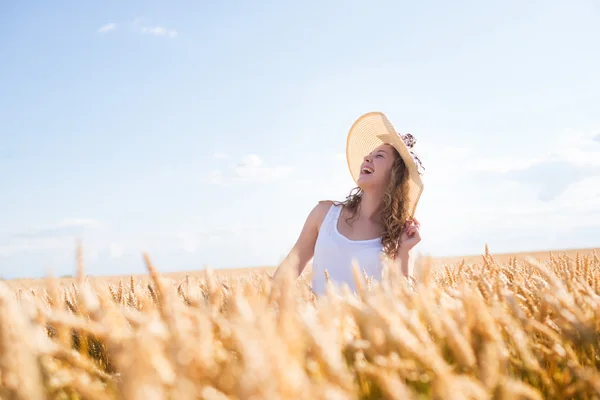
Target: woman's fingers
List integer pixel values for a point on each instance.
(414, 222)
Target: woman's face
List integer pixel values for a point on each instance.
(376, 168)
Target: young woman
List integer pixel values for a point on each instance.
(377, 218)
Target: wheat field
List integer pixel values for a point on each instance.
(485, 327)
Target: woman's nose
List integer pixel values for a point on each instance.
(367, 158)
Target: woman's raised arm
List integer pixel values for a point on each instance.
(304, 248)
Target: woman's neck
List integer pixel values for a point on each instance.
(370, 206)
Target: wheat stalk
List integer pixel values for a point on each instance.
(522, 329)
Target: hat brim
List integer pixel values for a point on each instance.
(369, 132)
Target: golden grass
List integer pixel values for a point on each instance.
(485, 328)
(248, 272)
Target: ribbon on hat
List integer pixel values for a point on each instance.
(410, 141)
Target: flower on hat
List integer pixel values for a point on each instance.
(409, 140)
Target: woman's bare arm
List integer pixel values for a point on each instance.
(304, 248)
(407, 264)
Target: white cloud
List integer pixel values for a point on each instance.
(68, 227)
(214, 177)
(509, 218)
(263, 174)
(561, 161)
(250, 169)
(156, 30)
(159, 31)
(54, 237)
(250, 160)
(552, 177)
(573, 157)
(546, 200)
(187, 241)
(38, 244)
(107, 28)
(569, 139)
(87, 222)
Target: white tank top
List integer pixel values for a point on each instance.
(334, 252)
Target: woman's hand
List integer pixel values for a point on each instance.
(411, 236)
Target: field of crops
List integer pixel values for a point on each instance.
(478, 328)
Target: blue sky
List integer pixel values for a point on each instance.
(205, 133)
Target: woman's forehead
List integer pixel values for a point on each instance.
(385, 147)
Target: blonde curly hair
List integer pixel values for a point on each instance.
(394, 207)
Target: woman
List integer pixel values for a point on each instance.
(375, 220)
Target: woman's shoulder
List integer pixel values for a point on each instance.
(325, 205)
(320, 210)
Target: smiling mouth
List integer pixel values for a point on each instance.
(367, 171)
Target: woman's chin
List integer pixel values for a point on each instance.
(368, 183)
(364, 181)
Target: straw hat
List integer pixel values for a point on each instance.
(373, 129)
